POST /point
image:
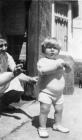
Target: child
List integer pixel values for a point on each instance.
(51, 85)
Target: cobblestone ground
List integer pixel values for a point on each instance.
(22, 125)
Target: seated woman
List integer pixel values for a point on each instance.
(11, 86)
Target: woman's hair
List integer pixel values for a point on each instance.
(48, 42)
(3, 36)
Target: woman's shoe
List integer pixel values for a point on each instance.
(43, 132)
(60, 128)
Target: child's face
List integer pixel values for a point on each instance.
(51, 51)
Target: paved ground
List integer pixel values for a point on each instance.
(23, 123)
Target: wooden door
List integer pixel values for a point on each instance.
(61, 24)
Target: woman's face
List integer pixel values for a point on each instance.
(51, 51)
(3, 45)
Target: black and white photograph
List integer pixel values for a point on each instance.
(41, 69)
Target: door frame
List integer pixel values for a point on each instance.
(69, 18)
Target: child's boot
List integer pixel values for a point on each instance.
(43, 133)
(60, 128)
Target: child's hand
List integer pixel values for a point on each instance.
(67, 67)
(60, 63)
(61, 66)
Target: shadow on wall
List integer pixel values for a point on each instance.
(69, 77)
(14, 45)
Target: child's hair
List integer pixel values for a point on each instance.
(49, 42)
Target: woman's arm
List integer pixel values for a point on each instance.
(11, 62)
(6, 77)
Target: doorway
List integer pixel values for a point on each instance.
(15, 19)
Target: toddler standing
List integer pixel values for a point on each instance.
(51, 85)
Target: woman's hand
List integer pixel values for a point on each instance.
(34, 79)
(18, 69)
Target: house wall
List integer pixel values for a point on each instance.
(1, 23)
(44, 21)
(12, 24)
(76, 47)
(77, 22)
(14, 17)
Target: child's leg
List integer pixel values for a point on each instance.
(44, 110)
(58, 113)
(45, 104)
(58, 118)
